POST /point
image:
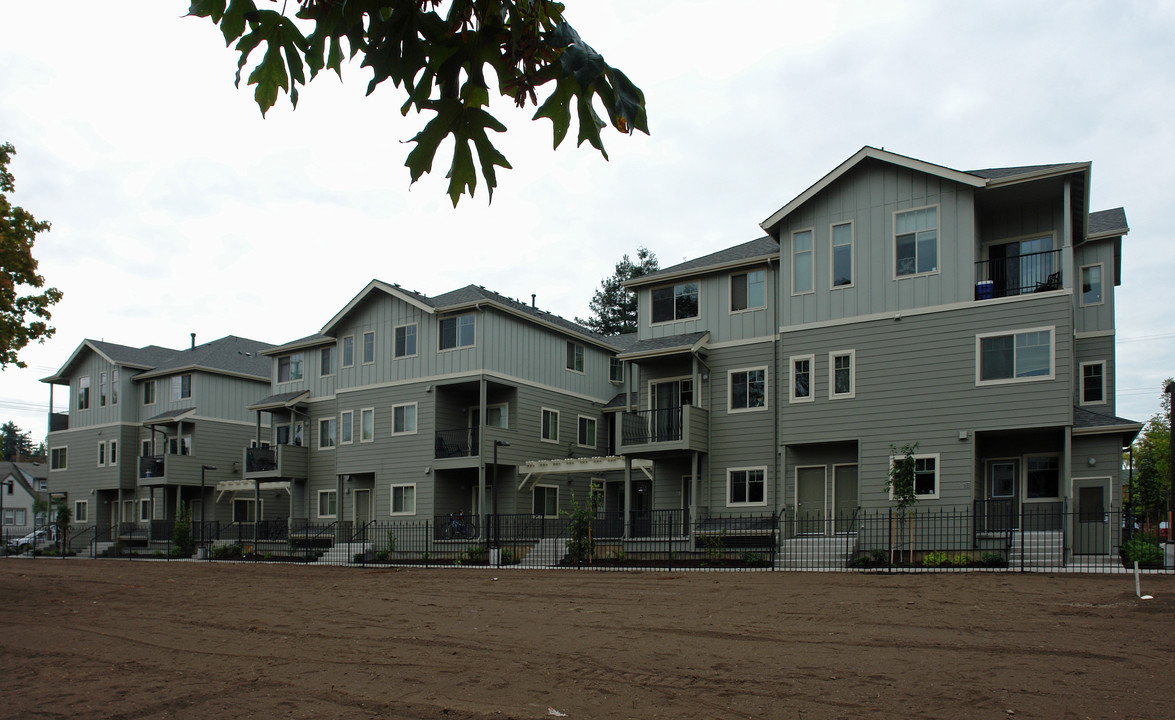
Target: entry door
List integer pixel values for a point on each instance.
(1001, 511)
(668, 398)
(844, 499)
(362, 507)
(642, 506)
(1093, 527)
(810, 500)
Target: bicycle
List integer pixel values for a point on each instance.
(458, 527)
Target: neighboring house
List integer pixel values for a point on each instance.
(142, 422)
(392, 411)
(21, 484)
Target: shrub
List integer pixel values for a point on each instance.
(508, 557)
(936, 559)
(391, 543)
(754, 559)
(962, 560)
(714, 545)
(181, 537)
(224, 552)
(991, 559)
(1143, 549)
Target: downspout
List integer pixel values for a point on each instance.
(709, 428)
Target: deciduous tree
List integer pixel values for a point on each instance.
(446, 55)
(1152, 460)
(614, 306)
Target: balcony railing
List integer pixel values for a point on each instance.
(260, 459)
(1020, 275)
(460, 442)
(58, 422)
(651, 426)
(151, 467)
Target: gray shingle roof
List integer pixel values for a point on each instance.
(620, 401)
(1006, 172)
(308, 341)
(1105, 222)
(279, 400)
(1083, 418)
(672, 342)
(230, 354)
(475, 293)
(761, 247)
(148, 356)
(168, 415)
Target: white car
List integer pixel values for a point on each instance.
(41, 539)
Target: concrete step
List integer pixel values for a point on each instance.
(343, 553)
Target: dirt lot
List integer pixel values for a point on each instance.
(118, 639)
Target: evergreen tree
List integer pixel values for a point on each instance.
(15, 442)
(614, 306)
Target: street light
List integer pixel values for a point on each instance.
(202, 503)
(494, 492)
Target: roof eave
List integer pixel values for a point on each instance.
(291, 347)
(1040, 174)
(168, 372)
(392, 290)
(490, 302)
(706, 269)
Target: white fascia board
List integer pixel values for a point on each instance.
(374, 285)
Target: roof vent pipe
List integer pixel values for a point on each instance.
(532, 300)
(193, 341)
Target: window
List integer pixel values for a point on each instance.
(101, 389)
(84, 392)
(925, 476)
(349, 351)
(346, 427)
(149, 392)
(498, 416)
(748, 389)
(57, 457)
(15, 516)
(326, 361)
(181, 387)
(244, 510)
(615, 370)
(1043, 476)
(801, 378)
(112, 454)
(289, 368)
(404, 419)
(145, 449)
(368, 348)
(842, 255)
(1026, 355)
(1093, 382)
(180, 445)
(114, 386)
(546, 501)
(801, 262)
(456, 332)
(367, 425)
(550, 423)
(746, 291)
(587, 432)
(81, 511)
(746, 486)
(145, 510)
(328, 503)
(842, 383)
(403, 499)
(675, 302)
(916, 242)
(101, 454)
(574, 356)
(405, 341)
(326, 433)
(1091, 285)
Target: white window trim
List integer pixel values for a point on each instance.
(730, 390)
(623, 372)
(392, 499)
(334, 365)
(1081, 383)
(852, 255)
(852, 356)
(81, 504)
(811, 378)
(154, 392)
(415, 418)
(361, 413)
(318, 505)
(893, 248)
(319, 445)
(675, 319)
(505, 415)
(111, 451)
(1024, 478)
(582, 353)
(83, 392)
(342, 342)
(596, 432)
(549, 487)
(937, 474)
(363, 349)
(542, 413)
(290, 358)
(1081, 285)
(455, 318)
(811, 252)
(651, 383)
(176, 391)
(1052, 329)
(101, 453)
(406, 355)
(730, 292)
(345, 417)
(145, 509)
(729, 485)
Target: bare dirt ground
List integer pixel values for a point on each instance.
(118, 639)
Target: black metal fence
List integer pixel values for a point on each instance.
(988, 537)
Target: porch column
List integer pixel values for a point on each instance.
(627, 493)
(482, 509)
(259, 428)
(256, 510)
(693, 490)
(1070, 506)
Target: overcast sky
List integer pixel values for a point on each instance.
(176, 208)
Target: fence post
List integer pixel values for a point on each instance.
(889, 568)
(1021, 538)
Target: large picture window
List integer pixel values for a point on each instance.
(1010, 357)
(675, 302)
(925, 476)
(748, 389)
(916, 241)
(457, 332)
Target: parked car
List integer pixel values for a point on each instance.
(41, 539)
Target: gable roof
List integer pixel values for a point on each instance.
(754, 251)
(25, 473)
(143, 358)
(671, 345)
(230, 355)
(409, 296)
(306, 342)
(1107, 223)
(1087, 422)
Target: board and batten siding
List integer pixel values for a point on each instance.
(538, 354)
(1097, 317)
(714, 314)
(224, 397)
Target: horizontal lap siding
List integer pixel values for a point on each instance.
(1095, 349)
(741, 439)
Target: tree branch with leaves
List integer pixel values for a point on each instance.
(444, 63)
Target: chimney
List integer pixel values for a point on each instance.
(532, 300)
(193, 341)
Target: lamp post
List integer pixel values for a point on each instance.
(1170, 391)
(4, 488)
(494, 492)
(202, 469)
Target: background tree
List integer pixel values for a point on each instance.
(15, 443)
(900, 485)
(446, 66)
(18, 272)
(1152, 461)
(613, 306)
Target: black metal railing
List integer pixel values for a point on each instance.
(1019, 275)
(151, 466)
(458, 442)
(260, 459)
(651, 426)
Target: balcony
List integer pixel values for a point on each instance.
(665, 430)
(58, 422)
(278, 461)
(1019, 275)
(169, 470)
(460, 442)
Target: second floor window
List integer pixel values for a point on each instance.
(289, 368)
(347, 418)
(801, 374)
(368, 347)
(181, 387)
(748, 389)
(456, 332)
(57, 458)
(101, 389)
(916, 242)
(1024, 355)
(1091, 285)
(675, 302)
(84, 392)
(349, 351)
(326, 361)
(587, 432)
(575, 356)
(616, 370)
(114, 386)
(405, 341)
(746, 291)
(550, 425)
(842, 255)
(326, 433)
(1093, 383)
(149, 392)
